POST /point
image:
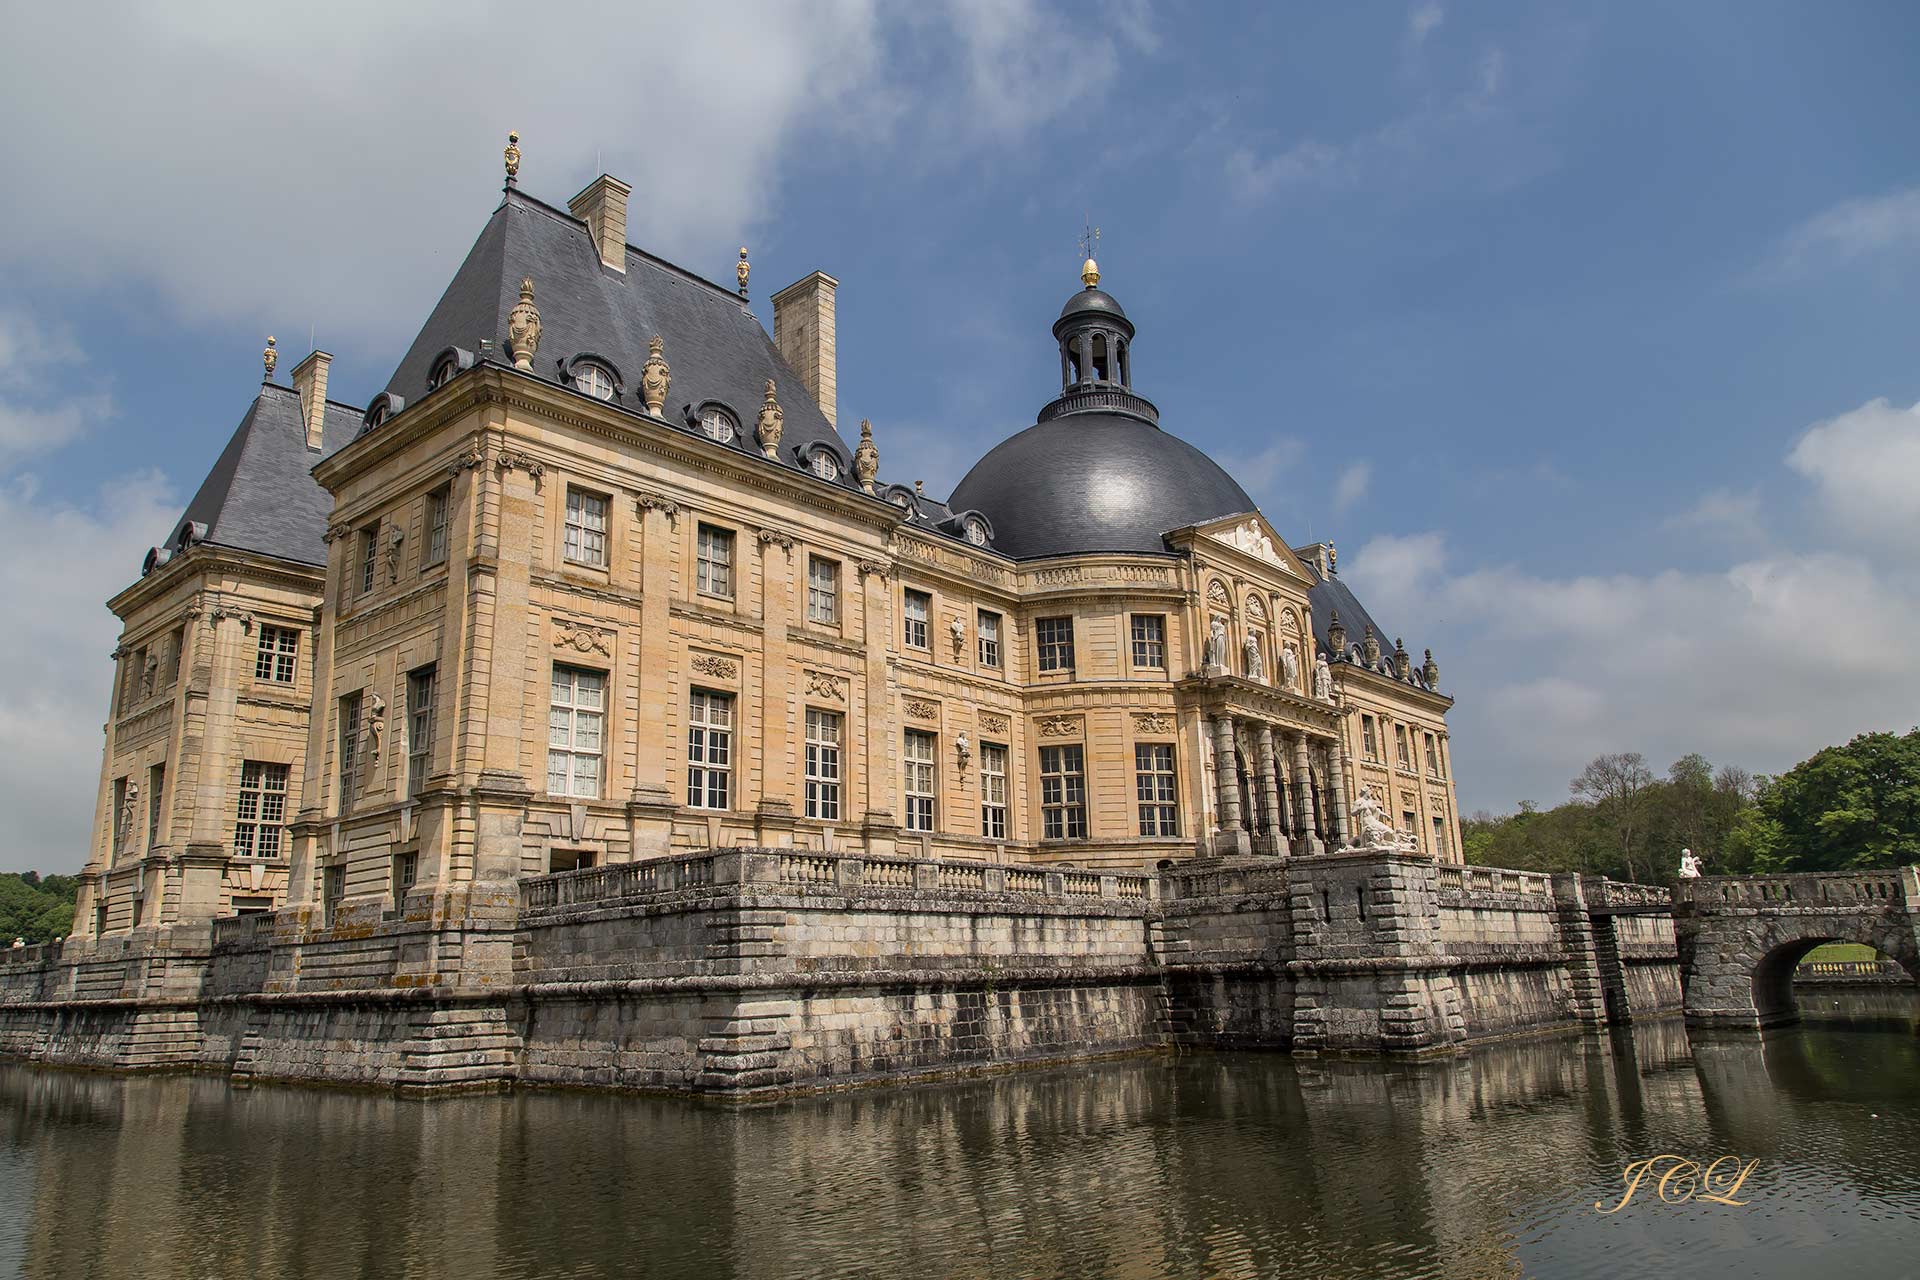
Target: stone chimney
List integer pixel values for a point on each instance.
(603, 207)
(310, 380)
(803, 329)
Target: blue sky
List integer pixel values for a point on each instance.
(1585, 332)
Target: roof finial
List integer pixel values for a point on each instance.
(866, 458)
(523, 328)
(741, 269)
(513, 156)
(1089, 270)
(772, 420)
(270, 357)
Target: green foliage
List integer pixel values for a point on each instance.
(35, 909)
(1844, 808)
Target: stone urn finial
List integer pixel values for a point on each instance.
(772, 422)
(1337, 635)
(270, 357)
(523, 328)
(1430, 671)
(513, 156)
(655, 377)
(741, 269)
(1402, 664)
(866, 458)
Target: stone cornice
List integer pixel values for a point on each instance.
(1372, 680)
(1237, 695)
(209, 559)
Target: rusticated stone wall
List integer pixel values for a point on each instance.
(760, 970)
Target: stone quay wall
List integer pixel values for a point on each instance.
(750, 972)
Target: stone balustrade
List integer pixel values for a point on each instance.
(1806, 889)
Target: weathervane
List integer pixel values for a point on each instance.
(1089, 243)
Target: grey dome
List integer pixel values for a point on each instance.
(1097, 301)
(1094, 482)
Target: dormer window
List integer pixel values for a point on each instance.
(975, 532)
(447, 364)
(824, 465)
(384, 406)
(718, 425)
(377, 415)
(442, 374)
(593, 380)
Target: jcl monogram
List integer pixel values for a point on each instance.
(1678, 1180)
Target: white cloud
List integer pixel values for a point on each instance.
(1759, 663)
(54, 699)
(1422, 21)
(36, 356)
(1726, 515)
(1851, 231)
(1352, 485)
(1865, 469)
(1269, 473)
(368, 152)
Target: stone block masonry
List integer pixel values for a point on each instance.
(753, 972)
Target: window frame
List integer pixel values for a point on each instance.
(821, 769)
(1063, 792)
(993, 783)
(579, 375)
(406, 874)
(420, 725)
(347, 747)
(710, 755)
(827, 615)
(369, 558)
(277, 650)
(708, 568)
(578, 714)
(909, 597)
(1153, 646)
(1049, 646)
(1402, 748)
(251, 825)
(920, 780)
(1370, 736)
(577, 533)
(435, 517)
(994, 656)
(1156, 790)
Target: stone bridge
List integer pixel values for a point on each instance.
(1740, 937)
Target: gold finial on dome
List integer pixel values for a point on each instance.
(270, 357)
(1090, 273)
(513, 155)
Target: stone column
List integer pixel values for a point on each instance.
(1337, 781)
(1226, 774)
(1309, 842)
(1270, 789)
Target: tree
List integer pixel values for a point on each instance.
(1841, 809)
(1616, 786)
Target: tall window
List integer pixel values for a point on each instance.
(175, 647)
(989, 629)
(419, 728)
(1410, 824)
(823, 765)
(823, 590)
(1370, 737)
(713, 561)
(262, 816)
(993, 791)
(586, 528)
(1400, 746)
(436, 526)
(349, 747)
(919, 607)
(710, 750)
(406, 870)
(333, 889)
(576, 716)
(369, 552)
(1149, 640)
(1063, 793)
(1439, 836)
(1153, 787)
(922, 780)
(1055, 638)
(1433, 757)
(278, 656)
(156, 786)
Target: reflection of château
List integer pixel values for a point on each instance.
(596, 579)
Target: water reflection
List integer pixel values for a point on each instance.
(1228, 1165)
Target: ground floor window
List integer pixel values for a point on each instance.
(709, 750)
(993, 791)
(1063, 793)
(576, 720)
(1153, 783)
(406, 871)
(569, 859)
(261, 822)
(921, 780)
(823, 765)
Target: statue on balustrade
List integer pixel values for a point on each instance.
(1689, 865)
(1371, 828)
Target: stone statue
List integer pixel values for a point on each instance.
(1322, 679)
(742, 270)
(512, 155)
(1689, 865)
(128, 806)
(149, 673)
(1217, 644)
(523, 328)
(1256, 664)
(866, 458)
(655, 377)
(772, 424)
(958, 630)
(1289, 668)
(376, 729)
(1371, 828)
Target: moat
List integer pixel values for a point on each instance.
(1483, 1164)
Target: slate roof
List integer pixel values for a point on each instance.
(1329, 594)
(715, 347)
(261, 495)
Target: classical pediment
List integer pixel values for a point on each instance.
(1251, 535)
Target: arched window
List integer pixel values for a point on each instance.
(593, 380)
(718, 425)
(442, 374)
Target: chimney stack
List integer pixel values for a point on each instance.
(603, 207)
(803, 330)
(310, 380)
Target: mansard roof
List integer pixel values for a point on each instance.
(1329, 594)
(261, 495)
(714, 345)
